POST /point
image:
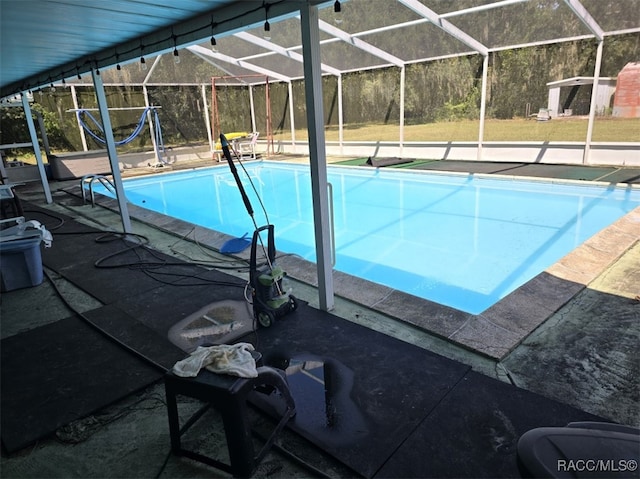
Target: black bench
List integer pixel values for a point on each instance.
(228, 395)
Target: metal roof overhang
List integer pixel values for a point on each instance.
(45, 41)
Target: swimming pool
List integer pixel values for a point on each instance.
(459, 240)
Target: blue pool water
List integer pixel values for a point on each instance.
(458, 240)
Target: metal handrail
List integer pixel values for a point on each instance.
(104, 181)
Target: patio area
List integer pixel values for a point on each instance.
(82, 405)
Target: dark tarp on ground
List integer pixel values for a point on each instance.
(60, 372)
(381, 406)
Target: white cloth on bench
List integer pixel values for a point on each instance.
(233, 359)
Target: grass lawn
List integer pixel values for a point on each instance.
(561, 129)
(606, 129)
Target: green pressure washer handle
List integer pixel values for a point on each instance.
(227, 154)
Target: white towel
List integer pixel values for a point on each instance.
(46, 235)
(233, 359)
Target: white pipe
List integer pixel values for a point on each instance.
(207, 120)
(483, 104)
(402, 87)
(291, 114)
(253, 110)
(340, 114)
(150, 121)
(594, 103)
(83, 137)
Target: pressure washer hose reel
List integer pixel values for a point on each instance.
(270, 300)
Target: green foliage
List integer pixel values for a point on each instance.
(519, 77)
(447, 90)
(371, 96)
(468, 109)
(14, 128)
(55, 132)
(618, 51)
(443, 90)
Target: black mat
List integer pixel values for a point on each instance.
(381, 406)
(134, 334)
(474, 431)
(113, 281)
(623, 175)
(160, 308)
(125, 271)
(362, 392)
(379, 162)
(462, 166)
(57, 373)
(77, 247)
(60, 372)
(570, 172)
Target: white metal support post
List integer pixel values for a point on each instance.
(340, 114)
(317, 153)
(586, 18)
(483, 104)
(594, 103)
(76, 107)
(253, 109)
(36, 147)
(403, 74)
(111, 150)
(152, 130)
(292, 115)
(207, 119)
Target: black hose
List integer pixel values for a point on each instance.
(234, 171)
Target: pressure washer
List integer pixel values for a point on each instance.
(270, 300)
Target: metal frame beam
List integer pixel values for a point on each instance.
(359, 43)
(103, 108)
(248, 37)
(36, 147)
(586, 18)
(445, 25)
(205, 52)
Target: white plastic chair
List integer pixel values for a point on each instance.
(247, 149)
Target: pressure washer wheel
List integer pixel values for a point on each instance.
(293, 304)
(266, 318)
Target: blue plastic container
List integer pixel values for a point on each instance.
(20, 264)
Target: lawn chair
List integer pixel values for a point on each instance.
(247, 148)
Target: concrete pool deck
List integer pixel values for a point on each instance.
(584, 354)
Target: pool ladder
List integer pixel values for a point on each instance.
(91, 179)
